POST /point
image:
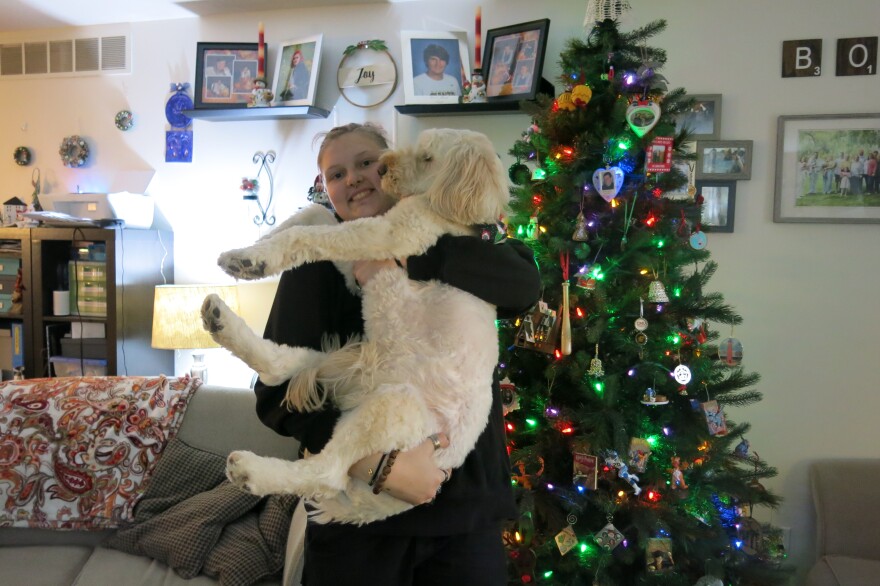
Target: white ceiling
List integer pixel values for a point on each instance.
(39, 14)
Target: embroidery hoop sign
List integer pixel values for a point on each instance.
(367, 74)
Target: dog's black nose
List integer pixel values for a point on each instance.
(382, 170)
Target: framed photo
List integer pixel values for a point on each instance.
(724, 159)
(719, 204)
(435, 66)
(659, 155)
(296, 71)
(514, 60)
(826, 169)
(703, 120)
(225, 74)
(685, 168)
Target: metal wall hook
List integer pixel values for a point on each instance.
(263, 160)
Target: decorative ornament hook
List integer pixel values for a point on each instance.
(252, 186)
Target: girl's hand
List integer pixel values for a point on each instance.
(414, 478)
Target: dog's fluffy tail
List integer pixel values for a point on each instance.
(342, 374)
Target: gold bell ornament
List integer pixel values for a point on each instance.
(657, 292)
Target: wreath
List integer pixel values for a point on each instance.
(74, 151)
(22, 156)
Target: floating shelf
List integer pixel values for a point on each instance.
(459, 109)
(268, 113)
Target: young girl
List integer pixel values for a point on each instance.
(454, 537)
(845, 174)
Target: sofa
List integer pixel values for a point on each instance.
(847, 522)
(216, 420)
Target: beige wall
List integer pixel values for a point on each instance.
(806, 292)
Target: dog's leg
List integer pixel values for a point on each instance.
(273, 362)
(391, 417)
(409, 228)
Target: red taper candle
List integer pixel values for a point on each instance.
(261, 56)
(478, 41)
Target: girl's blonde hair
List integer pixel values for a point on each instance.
(373, 131)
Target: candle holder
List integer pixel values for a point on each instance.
(261, 96)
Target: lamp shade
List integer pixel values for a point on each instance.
(177, 319)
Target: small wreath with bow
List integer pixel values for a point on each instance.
(74, 151)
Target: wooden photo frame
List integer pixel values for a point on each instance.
(813, 156)
(724, 159)
(514, 60)
(225, 74)
(446, 49)
(703, 119)
(296, 71)
(719, 205)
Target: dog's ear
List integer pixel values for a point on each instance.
(470, 185)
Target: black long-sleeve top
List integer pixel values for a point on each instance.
(312, 301)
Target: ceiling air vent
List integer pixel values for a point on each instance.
(94, 55)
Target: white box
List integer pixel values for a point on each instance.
(83, 329)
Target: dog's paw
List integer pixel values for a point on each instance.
(248, 471)
(213, 310)
(244, 263)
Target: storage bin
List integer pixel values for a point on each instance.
(9, 266)
(86, 347)
(64, 366)
(5, 302)
(7, 283)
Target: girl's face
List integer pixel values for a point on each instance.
(350, 165)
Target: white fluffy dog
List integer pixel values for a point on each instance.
(429, 352)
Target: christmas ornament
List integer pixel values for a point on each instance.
(608, 537)
(642, 116)
(678, 482)
(600, 10)
(659, 155)
(651, 398)
(596, 365)
(657, 292)
(613, 460)
(682, 374)
(566, 540)
(519, 173)
(730, 351)
(641, 323)
(742, 449)
(565, 334)
(585, 282)
(608, 182)
(698, 239)
(539, 330)
(639, 451)
(580, 231)
(581, 95)
(509, 396)
(585, 471)
(658, 551)
(564, 102)
(715, 418)
(532, 229)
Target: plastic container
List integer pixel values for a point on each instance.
(64, 366)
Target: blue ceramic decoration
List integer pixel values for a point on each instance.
(177, 103)
(178, 146)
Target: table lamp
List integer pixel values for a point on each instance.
(177, 320)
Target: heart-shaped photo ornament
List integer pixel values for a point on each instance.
(608, 182)
(642, 116)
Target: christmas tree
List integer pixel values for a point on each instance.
(627, 469)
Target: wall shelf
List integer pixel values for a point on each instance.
(459, 109)
(268, 113)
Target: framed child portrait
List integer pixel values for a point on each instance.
(435, 66)
(225, 74)
(296, 71)
(703, 119)
(514, 60)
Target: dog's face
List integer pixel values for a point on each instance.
(457, 169)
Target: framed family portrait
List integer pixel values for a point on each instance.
(719, 205)
(296, 71)
(703, 119)
(435, 66)
(724, 159)
(827, 169)
(514, 60)
(225, 74)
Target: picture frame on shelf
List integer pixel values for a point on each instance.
(703, 119)
(724, 159)
(427, 78)
(719, 204)
(811, 153)
(225, 74)
(296, 71)
(514, 60)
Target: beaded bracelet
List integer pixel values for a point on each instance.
(375, 475)
(386, 470)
